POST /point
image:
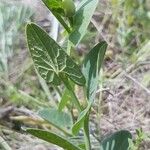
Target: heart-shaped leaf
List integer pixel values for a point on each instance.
(82, 19)
(117, 141)
(57, 118)
(50, 59)
(53, 138)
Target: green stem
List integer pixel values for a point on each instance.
(71, 21)
(62, 22)
(74, 98)
(68, 48)
(86, 126)
(86, 133)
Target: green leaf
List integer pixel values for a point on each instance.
(82, 19)
(91, 68)
(56, 8)
(76, 127)
(117, 141)
(57, 118)
(78, 140)
(50, 59)
(53, 138)
(64, 99)
(67, 96)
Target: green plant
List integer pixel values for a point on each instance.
(133, 23)
(139, 139)
(56, 67)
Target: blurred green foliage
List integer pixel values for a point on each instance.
(132, 19)
(12, 17)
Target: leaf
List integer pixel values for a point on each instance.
(50, 59)
(117, 141)
(91, 68)
(57, 118)
(82, 19)
(69, 7)
(76, 127)
(55, 6)
(67, 96)
(64, 99)
(78, 140)
(53, 138)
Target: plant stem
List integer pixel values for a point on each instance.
(86, 133)
(68, 48)
(86, 126)
(74, 98)
(62, 22)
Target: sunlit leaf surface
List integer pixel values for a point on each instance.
(50, 59)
